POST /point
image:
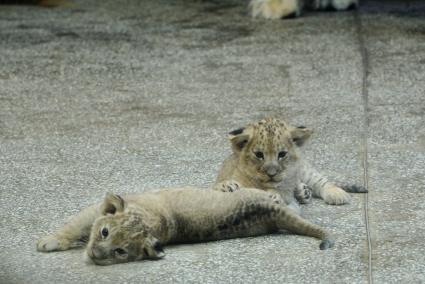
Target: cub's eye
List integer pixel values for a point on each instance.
(259, 155)
(120, 251)
(104, 232)
(282, 154)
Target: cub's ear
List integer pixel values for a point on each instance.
(112, 204)
(239, 138)
(300, 134)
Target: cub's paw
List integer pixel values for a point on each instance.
(52, 243)
(344, 4)
(327, 244)
(276, 198)
(303, 193)
(274, 9)
(227, 186)
(335, 196)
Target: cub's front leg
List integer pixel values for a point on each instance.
(73, 234)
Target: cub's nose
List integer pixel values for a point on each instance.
(271, 172)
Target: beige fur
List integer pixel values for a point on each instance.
(274, 9)
(134, 227)
(283, 174)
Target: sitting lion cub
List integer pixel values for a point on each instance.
(135, 227)
(266, 156)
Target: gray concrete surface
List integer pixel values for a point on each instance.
(127, 96)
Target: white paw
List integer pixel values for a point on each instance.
(50, 243)
(344, 4)
(274, 9)
(335, 196)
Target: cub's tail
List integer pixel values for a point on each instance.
(287, 219)
(353, 188)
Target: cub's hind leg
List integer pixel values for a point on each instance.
(287, 219)
(71, 235)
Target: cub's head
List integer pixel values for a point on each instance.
(268, 148)
(120, 236)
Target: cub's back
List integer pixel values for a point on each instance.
(207, 203)
(205, 214)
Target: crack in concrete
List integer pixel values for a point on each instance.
(365, 99)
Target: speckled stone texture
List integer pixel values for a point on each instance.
(127, 96)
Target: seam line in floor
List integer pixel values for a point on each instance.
(365, 98)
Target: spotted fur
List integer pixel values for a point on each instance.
(140, 224)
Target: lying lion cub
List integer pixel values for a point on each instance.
(135, 227)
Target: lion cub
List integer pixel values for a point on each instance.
(266, 156)
(136, 226)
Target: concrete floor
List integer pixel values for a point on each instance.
(127, 96)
